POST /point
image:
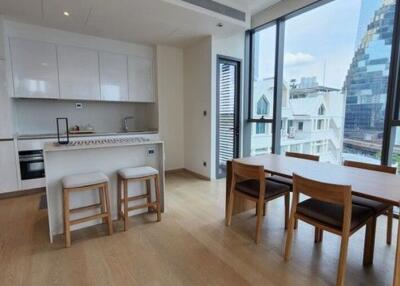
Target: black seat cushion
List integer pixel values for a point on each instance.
(377, 207)
(281, 180)
(252, 187)
(332, 214)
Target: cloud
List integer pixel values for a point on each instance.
(293, 59)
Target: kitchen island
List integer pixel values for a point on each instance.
(104, 155)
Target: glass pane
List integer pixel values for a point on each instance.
(263, 73)
(261, 138)
(336, 67)
(395, 159)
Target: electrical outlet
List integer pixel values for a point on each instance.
(204, 163)
(78, 105)
(151, 152)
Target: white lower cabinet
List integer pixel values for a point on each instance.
(8, 167)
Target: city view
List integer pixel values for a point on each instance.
(336, 68)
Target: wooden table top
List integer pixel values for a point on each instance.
(370, 184)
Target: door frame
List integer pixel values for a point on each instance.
(236, 144)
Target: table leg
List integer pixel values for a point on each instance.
(396, 274)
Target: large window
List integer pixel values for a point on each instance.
(333, 85)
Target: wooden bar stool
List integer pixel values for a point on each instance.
(137, 174)
(83, 183)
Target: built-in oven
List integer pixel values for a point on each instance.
(31, 164)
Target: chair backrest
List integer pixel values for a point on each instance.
(302, 156)
(331, 193)
(246, 171)
(371, 167)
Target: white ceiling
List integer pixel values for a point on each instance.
(169, 22)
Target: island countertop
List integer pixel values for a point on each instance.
(98, 143)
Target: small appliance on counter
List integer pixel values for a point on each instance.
(88, 129)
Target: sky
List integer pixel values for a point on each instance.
(320, 42)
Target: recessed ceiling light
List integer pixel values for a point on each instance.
(220, 25)
(66, 13)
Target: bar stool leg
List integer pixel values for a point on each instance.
(67, 231)
(148, 190)
(107, 208)
(158, 199)
(119, 205)
(125, 183)
(102, 203)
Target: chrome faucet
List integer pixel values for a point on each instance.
(126, 127)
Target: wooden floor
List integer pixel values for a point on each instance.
(191, 246)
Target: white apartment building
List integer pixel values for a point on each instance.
(312, 120)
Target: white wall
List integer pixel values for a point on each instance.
(197, 99)
(279, 9)
(170, 102)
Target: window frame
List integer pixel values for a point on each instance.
(392, 113)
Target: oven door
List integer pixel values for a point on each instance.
(31, 164)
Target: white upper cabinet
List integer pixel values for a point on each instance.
(113, 77)
(141, 79)
(78, 73)
(34, 68)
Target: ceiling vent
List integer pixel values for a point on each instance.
(219, 8)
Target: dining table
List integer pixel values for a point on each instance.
(382, 187)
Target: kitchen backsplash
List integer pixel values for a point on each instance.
(37, 116)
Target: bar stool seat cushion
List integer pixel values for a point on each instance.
(83, 180)
(137, 172)
(332, 214)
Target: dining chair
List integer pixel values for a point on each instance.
(289, 182)
(329, 208)
(249, 182)
(378, 207)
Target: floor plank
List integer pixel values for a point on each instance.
(191, 246)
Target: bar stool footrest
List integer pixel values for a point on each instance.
(85, 208)
(88, 218)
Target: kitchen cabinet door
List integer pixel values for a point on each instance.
(34, 68)
(79, 73)
(113, 77)
(141, 79)
(8, 167)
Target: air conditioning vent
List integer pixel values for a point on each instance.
(219, 8)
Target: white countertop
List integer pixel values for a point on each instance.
(53, 135)
(99, 143)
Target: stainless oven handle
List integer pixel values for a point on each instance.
(36, 159)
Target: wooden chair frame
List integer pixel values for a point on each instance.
(338, 194)
(122, 201)
(388, 211)
(242, 172)
(104, 205)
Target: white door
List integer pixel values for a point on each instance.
(8, 167)
(34, 68)
(141, 79)
(113, 76)
(79, 73)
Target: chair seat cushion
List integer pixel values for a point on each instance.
(332, 214)
(252, 187)
(83, 180)
(137, 172)
(281, 180)
(376, 206)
